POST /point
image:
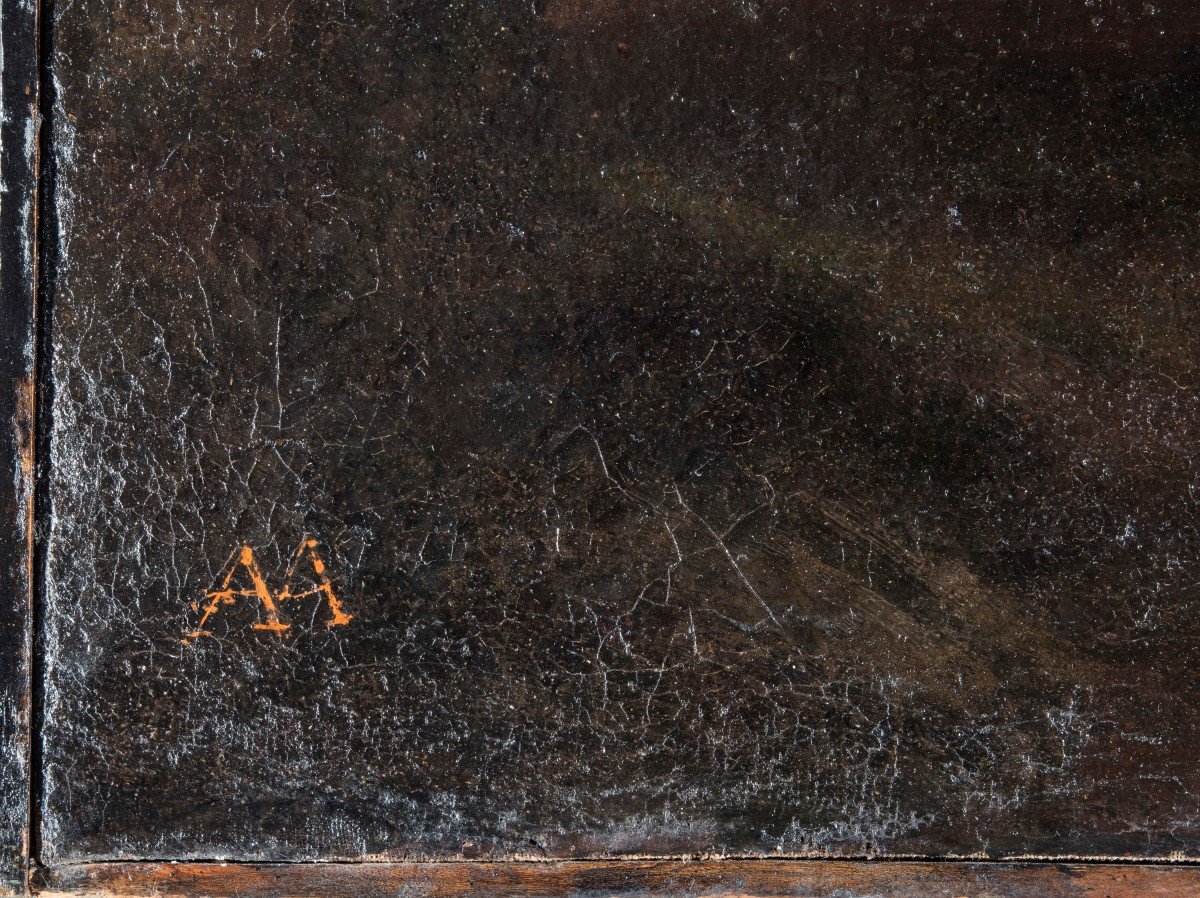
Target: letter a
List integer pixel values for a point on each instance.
(308, 547)
(227, 595)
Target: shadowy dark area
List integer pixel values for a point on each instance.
(740, 427)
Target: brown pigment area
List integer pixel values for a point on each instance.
(661, 879)
(751, 431)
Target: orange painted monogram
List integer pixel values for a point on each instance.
(227, 594)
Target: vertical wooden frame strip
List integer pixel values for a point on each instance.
(19, 151)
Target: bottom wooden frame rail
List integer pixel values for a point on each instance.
(643, 878)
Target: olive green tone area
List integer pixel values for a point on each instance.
(741, 428)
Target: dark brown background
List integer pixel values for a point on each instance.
(735, 427)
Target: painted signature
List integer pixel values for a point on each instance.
(244, 563)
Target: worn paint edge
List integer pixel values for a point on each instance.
(644, 879)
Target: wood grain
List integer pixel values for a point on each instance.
(645, 879)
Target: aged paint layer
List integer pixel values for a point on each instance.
(745, 427)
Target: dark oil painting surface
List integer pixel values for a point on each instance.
(558, 428)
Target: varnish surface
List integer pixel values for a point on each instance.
(546, 429)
